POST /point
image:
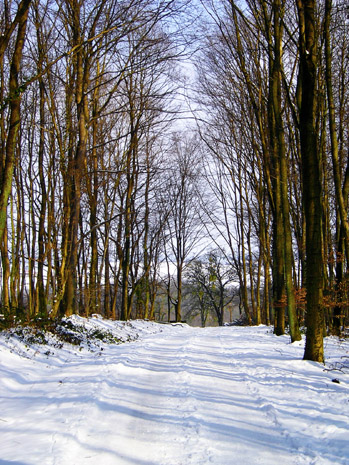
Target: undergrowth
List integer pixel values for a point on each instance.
(45, 331)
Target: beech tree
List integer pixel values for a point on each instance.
(261, 116)
(212, 279)
(340, 176)
(312, 182)
(13, 23)
(95, 192)
(184, 225)
(83, 91)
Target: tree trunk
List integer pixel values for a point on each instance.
(178, 305)
(342, 206)
(280, 141)
(312, 183)
(42, 302)
(14, 101)
(77, 163)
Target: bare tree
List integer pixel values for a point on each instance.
(184, 225)
(312, 182)
(212, 278)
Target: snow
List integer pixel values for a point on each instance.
(176, 395)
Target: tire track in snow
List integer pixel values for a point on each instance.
(189, 404)
(208, 413)
(264, 407)
(266, 386)
(248, 373)
(76, 397)
(167, 365)
(182, 397)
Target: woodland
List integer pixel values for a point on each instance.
(146, 145)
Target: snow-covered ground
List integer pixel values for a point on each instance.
(175, 396)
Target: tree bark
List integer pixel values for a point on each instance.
(282, 163)
(342, 204)
(312, 182)
(14, 100)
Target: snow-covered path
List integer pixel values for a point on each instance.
(184, 396)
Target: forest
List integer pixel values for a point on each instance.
(158, 151)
